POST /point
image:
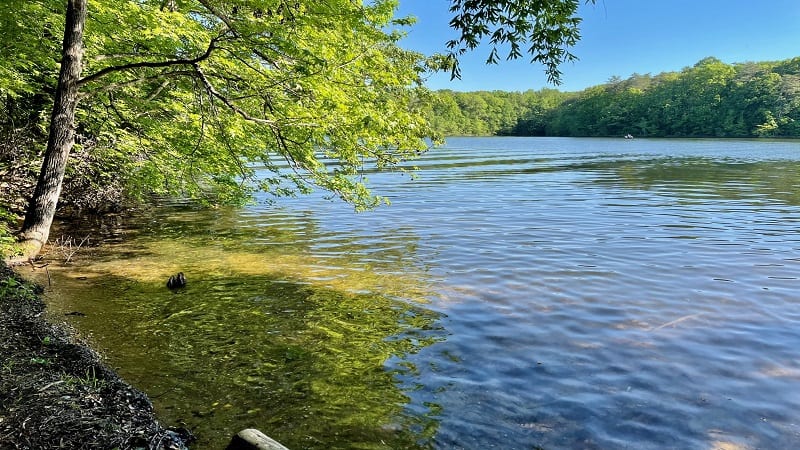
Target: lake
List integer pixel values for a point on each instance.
(519, 293)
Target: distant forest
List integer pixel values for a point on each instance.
(709, 99)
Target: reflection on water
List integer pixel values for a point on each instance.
(272, 331)
(559, 293)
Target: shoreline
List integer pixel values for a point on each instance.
(55, 391)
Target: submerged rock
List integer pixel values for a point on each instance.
(177, 281)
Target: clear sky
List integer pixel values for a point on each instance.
(622, 37)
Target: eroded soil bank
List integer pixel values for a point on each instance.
(56, 393)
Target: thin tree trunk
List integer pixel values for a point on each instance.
(42, 207)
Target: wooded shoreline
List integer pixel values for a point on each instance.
(710, 99)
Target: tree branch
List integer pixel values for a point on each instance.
(151, 64)
(115, 86)
(225, 100)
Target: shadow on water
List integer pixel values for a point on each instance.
(271, 331)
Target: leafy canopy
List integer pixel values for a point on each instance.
(213, 98)
(199, 97)
(542, 29)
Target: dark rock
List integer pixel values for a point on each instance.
(177, 281)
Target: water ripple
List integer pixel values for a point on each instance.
(613, 301)
(587, 293)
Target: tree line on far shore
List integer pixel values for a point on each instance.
(708, 99)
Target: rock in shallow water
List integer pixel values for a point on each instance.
(252, 439)
(177, 281)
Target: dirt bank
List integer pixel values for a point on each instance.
(56, 393)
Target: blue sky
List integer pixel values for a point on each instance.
(622, 37)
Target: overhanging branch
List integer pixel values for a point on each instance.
(225, 100)
(150, 64)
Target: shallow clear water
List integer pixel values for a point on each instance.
(521, 292)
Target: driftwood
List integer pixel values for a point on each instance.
(252, 439)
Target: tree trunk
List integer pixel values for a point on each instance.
(42, 207)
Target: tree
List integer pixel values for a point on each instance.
(39, 217)
(185, 97)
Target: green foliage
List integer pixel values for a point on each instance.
(31, 43)
(709, 99)
(40, 361)
(9, 283)
(88, 379)
(209, 99)
(491, 113)
(11, 287)
(544, 30)
(8, 243)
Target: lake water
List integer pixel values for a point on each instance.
(519, 293)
